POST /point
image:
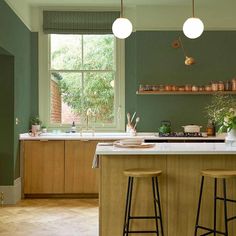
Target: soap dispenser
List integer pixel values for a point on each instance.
(73, 128)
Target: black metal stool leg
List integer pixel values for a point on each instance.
(199, 206)
(155, 206)
(129, 201)
(225, 207)
(159, 206)
(215, 198)
(127, 205)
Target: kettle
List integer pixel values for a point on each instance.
(165, 127)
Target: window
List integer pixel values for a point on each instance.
(84, 80)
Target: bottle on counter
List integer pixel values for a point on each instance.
(211, 130)
(73, 128)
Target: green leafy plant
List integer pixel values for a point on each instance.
(220, 111)
(229, 121)
(35, 121)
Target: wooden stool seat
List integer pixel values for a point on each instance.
(219, 173)
(142, 172)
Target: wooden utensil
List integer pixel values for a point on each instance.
(137, 120)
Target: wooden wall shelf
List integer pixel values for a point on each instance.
(183, 92)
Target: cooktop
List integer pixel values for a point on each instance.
(180, 134)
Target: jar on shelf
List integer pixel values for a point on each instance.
(214, 86)
(228, 85)
(221, 86)
(195, 88)
(208, 87)
(181, 88)
(233, 84)
(161, 87)
(201, 88)
(188, 87)
(174, 88)
(155, 87)
(168, 87)
(141, 88)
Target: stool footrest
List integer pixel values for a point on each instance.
(228, 200)
(211, 230)
(231, 218)
(144, 217)
(140, 232)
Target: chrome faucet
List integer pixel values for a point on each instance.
(89, 113)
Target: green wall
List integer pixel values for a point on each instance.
(21, 81)
(150, 59)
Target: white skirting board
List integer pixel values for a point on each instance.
(11, 193)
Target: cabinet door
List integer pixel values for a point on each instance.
(44, 167)
(79, 175)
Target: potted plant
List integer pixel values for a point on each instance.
(35, 124)
(44, 129)
(229, 124)
(222, 112)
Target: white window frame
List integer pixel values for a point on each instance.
(44, 87)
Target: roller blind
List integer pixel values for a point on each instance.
(78, 22)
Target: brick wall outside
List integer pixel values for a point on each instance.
(60, 111)
(55, 103)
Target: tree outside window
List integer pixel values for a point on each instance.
(82, 77)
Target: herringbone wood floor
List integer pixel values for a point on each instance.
(50, 217)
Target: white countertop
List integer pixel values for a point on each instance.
(85, 136)
(110, 136)
(169, 149)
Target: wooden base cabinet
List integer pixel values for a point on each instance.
(59, 167)
(43, 167)
(79, 175)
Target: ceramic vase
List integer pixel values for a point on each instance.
(231, 135)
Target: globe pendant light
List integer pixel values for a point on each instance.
(122, 27)
(193, 26)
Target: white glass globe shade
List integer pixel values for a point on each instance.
(122, 28)
(193, 27)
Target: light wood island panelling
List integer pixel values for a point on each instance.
(179, 189)
(113, 187)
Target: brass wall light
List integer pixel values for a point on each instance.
(122, 27)
(178, 44)
(193, 26)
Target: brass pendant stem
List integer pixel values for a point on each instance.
(182, 46)
(193, 8)
(121, 9)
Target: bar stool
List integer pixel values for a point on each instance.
(143, 173)
(216, 174)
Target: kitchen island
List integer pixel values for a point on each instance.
(181, 164)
